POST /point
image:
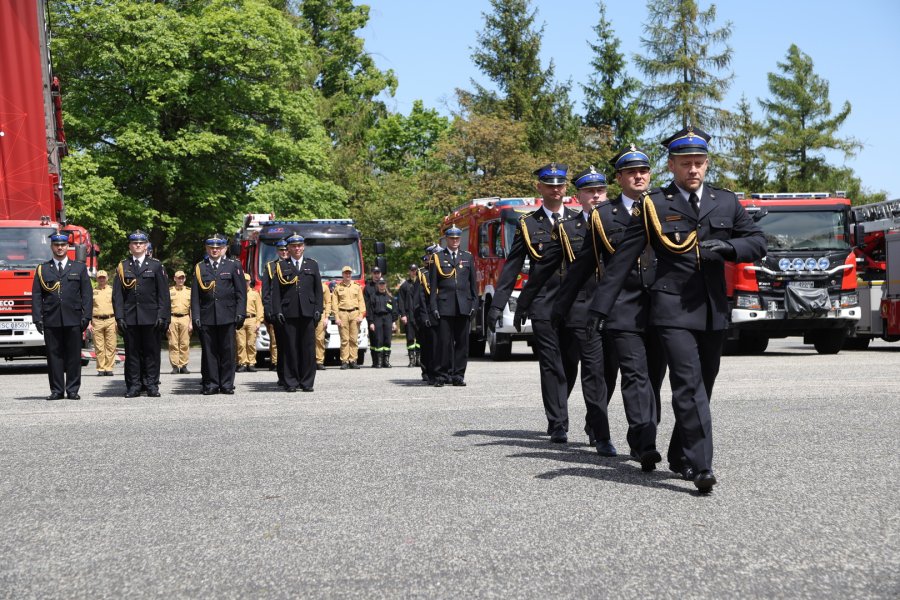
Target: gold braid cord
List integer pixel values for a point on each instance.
(281, 276)
(597, 226)
(121, 271)
(205, 288)
(566, 243)
(269, 268)
(424, 281)
(437, 265)
(47, 288)
(651, 219)
(527, 238)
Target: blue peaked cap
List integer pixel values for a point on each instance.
(552, 173)
(629, 158)
(296, 239)
(453, 232)
(589, 178)
(689, 140)
(57, 237)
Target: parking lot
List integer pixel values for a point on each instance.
(376, 486)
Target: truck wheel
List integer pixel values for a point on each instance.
(501, 346)
(857, 343)
(829, 341)
(753, 344)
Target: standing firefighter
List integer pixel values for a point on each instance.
(272, 325)
(322, 327)
(218, 307)
(405, 305)
(61, 305)
(143, 309)
(180, 328)
(103, 326)
(297, 300)
(427, 329)
(348, 305)
(245, 337)
(382, 314)
(453, 302)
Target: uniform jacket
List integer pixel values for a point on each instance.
(180, 300)
(326, 300)
(67, 305)
(452, 284)
(688, 279)
(348, 297)
(534, 237)
(218, 298)
(297, 293)
(265, 278)
(141, 297)
(405, 298)
(421, 298)
(254, 307)
(102, 300)
(383, 305)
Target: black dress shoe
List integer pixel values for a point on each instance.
(132, 394)
(459, 383)
(649, 459)
(240, 369)
(230, 392)
(184, 371)
(559, 436)
(705, 480)
(55, 396)
(290, 389)
(210, 392)
(251, 369)
(605, 448)
(687, 473)
(345, 366)
(320, 367)
(74, 397)
(175, 371)
(354, 365)
(153, 394)
(438, 384)
(308, 389)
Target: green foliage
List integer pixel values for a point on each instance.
(682, 61)
(740, 163)
(405, 144)
(799, 125)
(611, 96)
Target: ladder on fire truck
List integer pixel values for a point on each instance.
(872, 222)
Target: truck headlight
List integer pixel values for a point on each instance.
(849, 300)
(748, 301)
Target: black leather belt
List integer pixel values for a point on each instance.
(179, 314)
(348, 309)
(104, 316)
(251, 316)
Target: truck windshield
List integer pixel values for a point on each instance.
(23, 246)
(810, 230)
(331, 254)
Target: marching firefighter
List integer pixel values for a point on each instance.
(382, 314)
(179, 332)
(427, 330)
(218, 308)
(405, 301)
(245, 337)
(61, 306)
(348, 305)
(103, 326)
(322, 326)
(143, 310)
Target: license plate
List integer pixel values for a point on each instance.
(14, 325)
(802, 284)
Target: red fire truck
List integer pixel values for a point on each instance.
(876, 236)
(806, 283)
(333, 243)
(488, 226)
(31, 198)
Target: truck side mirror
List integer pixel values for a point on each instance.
(379, 248)
(80, 252)
(381, 263)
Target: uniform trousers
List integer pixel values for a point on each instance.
(321, 327)
(63, 358)
(554, 387)
(412, 343)
(693, 358)
(298, 352)
(429, 359)
(179, 336)
(453, 340)
(642, 371)
(217, 357)
(276, 332)
(656, 365)
(245, 340)
(105, 343)
(349, 329)
(273, 343)
(578, 347)
(381, 335)
(142, 348)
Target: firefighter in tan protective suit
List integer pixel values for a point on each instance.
(321, 326)
(245, 337)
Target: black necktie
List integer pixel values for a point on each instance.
(555, 218)
(453, 256)
(137, 265)
(695, 203)
(59, 266)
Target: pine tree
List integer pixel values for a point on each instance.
(741, 162)
(799, 124)
(683, 58)
(611, 95)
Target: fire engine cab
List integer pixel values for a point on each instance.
(806, 283)
(488, 226)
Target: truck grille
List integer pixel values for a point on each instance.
(14, 305)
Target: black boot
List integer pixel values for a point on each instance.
(418, 357)
(376, 359)
(412, 358)
(386, 359)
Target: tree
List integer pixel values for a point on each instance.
(683, 57)
(405, 144)
(741, 161)
(611, 96)
(192, 111)
(508, 53)
(799, 125)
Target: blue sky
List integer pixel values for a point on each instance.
(855, 46)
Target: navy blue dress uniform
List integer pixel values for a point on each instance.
(382, 313)
(426, 326)
(61, 305)
(692, 235)
(218, 307)
(405, 303)
(272, 324)
(577, 344)
(143, 308)
(534, 236)
(298, 303)
(453, 300)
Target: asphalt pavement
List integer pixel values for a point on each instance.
(376, 486)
